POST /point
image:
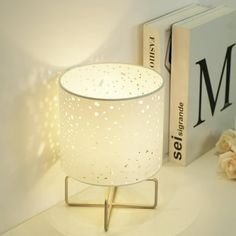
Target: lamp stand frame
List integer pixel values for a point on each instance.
(110, 203)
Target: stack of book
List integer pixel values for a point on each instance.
(194, 50)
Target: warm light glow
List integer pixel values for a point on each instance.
(111, 81)
(111, 123)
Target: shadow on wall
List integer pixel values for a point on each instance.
(29, 114)
(29, 140)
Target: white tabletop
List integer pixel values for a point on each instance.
(194, 200)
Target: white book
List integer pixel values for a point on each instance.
(157, 52)
(203, 82)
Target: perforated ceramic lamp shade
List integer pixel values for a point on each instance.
(111, 123)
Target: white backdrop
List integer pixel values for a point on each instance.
(38, 38)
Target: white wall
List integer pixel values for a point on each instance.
(38, 38)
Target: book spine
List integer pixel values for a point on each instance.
(179, 96)
(151, 48)
(153, 58)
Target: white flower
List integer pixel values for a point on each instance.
(227, 142)
(227, 163)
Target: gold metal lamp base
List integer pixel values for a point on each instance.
(109, 202)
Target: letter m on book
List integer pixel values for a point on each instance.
(204, 74)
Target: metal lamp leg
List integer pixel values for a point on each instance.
(109, 202)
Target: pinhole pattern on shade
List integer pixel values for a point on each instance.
(112, 141)
(110, 81)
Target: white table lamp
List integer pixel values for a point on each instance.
(111, 126)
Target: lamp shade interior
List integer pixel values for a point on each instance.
(111, 123)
